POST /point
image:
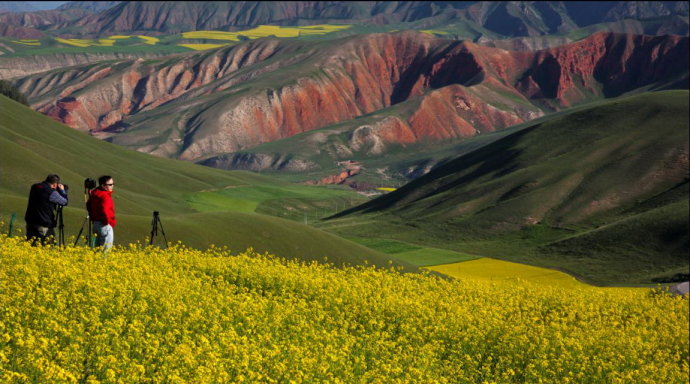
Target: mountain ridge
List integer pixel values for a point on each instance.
(460, 88)
(508, 19)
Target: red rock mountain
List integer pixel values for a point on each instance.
(201, 105)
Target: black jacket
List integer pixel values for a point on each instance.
(40, 209)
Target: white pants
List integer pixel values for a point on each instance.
(104, 235)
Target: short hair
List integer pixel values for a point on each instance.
(52, 179)
(104, 179)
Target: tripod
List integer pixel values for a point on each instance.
(87, 235)
(155, 223)
(61, 226)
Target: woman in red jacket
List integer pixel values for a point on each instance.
(102, 212)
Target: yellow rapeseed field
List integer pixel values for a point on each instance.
(492, 269)
(434, 32)
(33, 42)
(201, 47)
(264, 31)
(108, 42)
(149, 39)
(76, 42)
(147, 315)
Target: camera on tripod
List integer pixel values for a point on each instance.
(89, 183)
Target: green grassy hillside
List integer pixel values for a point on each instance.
(601, 192)
(33, 145)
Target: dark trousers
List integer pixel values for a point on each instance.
(35, 233)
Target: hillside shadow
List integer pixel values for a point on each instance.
(498, 158)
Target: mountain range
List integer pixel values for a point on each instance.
(204, 107)
(519, 18)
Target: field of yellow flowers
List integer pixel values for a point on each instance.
(148, 315)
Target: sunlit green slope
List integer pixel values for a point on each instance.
(33, 145)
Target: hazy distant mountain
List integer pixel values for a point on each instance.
(16, 6)
(93, 6)
(28, 6)
(507, 18)
(486, 18)
(41, 19)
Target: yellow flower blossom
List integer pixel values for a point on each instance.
(181, 315)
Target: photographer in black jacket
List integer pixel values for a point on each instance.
(44, 198)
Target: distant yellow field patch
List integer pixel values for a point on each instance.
(76, 42)
(265, 31)
(434, 32)
(499, 270)
(202, 47)
(211, 35)
(149, 40)
(107, 42)
(27, 42)
(386, 189)
(270, 30)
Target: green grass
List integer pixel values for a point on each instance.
(34, 145)
(413, 254)
(289, 201)
(433, 256)
(386, 245)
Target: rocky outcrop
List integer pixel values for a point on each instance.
(618, 63)
(351, 168)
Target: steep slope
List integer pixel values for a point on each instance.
(602, 176)
(195, 107)
(33, 146)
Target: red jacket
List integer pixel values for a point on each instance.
(101, 207)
